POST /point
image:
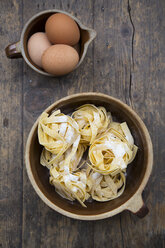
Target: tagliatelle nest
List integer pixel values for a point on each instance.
(105, 187)
(65, 138)
(92, 121)
(57, 133)
(112, 152)
(69, 186)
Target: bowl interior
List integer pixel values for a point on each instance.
(38, 25)
(135, 171)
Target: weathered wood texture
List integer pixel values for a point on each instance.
(11, 146)
(126, 60)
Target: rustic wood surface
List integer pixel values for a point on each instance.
(126, 61)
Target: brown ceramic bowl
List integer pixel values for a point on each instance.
(137, 173)
(37, 24)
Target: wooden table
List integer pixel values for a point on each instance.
(126, 61)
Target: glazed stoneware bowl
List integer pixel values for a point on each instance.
(137, 173)
(37, 24)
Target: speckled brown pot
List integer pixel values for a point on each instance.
(137, 173)
(37, 24)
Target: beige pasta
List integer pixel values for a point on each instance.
(101, 176)
(112, 152)
(57, 133)
(106, 187)
(69, 186)
(92, 121)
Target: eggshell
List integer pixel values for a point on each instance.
(62, 29)
(60, 59)
(37, 44)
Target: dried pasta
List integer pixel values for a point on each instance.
(92, 121)
(57, 133)
(100, 176)
(112, 151)
(106, 187)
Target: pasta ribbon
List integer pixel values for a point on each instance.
(92, 121)
(106, 187)
(57, 133)
(112, 152)
(65, 139)
(70, 186)
(69, 161)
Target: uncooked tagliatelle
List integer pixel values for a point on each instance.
(113, 151)
(92, 121)
(100, 176)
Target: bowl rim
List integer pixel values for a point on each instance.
(126, 205)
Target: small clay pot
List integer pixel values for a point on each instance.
(37, 24)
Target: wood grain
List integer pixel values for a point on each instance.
(11, 129)
(147, 94)
(38, 220)
(126, 60)
(113, 57)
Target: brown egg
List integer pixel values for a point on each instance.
(60, 59)
(62, 29)
(37, 44)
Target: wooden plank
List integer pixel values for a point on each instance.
(125, 61)
(112, 68)
(11, 128)
(112, 53)
(147, 93)
(43, 227)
